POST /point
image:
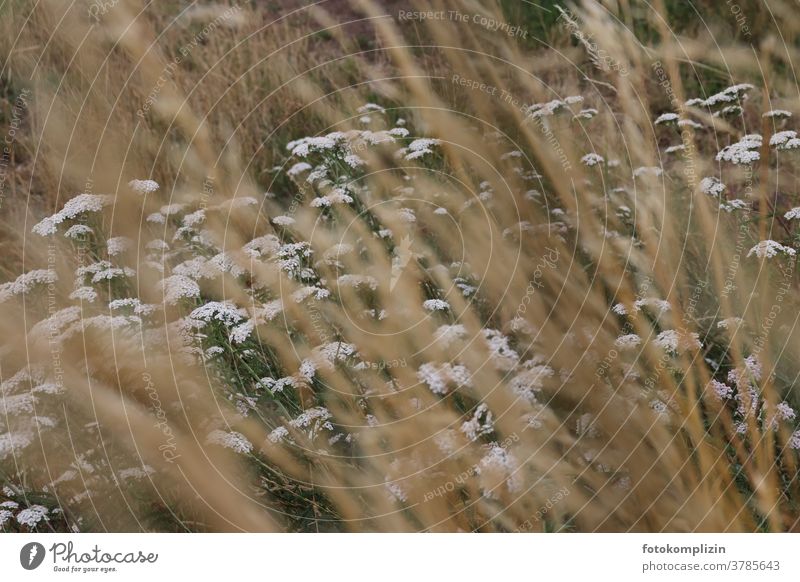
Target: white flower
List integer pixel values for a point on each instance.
(592, 159)
(420, 147)
(782, 137)
(547, 109)
(233, 440)
(144, 186)
(499, 462)
(194, 218)
(711, 186)
(353, 161)
(730, 323)
(269, 310)
(447, 334)
(728, 110)
(675, 148)
(13, 442)
(793, 213)
(223, 311)
(666, 118)
(728, 95)
(276, 385)
(357, 281)
(628, 342)
(436, 305)
(118, 245)
(689, 123)
(721, 391)
(335, 196)
(785, 412)
(314, 419)
(278, 434)
(78, 230)
(480, 424)
(177, 287)
(528, 382)
(135, 472)
(32, 515)
(585, 113)
(78, 205)
(742, 152)
(660, 305)
(304, 146)
(367, 107)
(735, 204)
(299, 168)
(170, 209)
(770, 248)
(777, 113)
(438, 377)
(262, 247)
(672, 340)
(407, 215)
(305, 292)
(641, 171)
(500, 352)
(26, 282)
(87, 294)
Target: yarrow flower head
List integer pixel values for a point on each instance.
(592, 159)
(233, 440)
(436, 305)
(31, 516)
(144, 186)
(743, 152)
(770, 248)
(666, 118)
(628, 342)
(674, 341)
(712, 186)
(80, 204)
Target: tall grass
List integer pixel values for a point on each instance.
(444, 280)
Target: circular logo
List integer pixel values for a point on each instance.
(31, 555)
